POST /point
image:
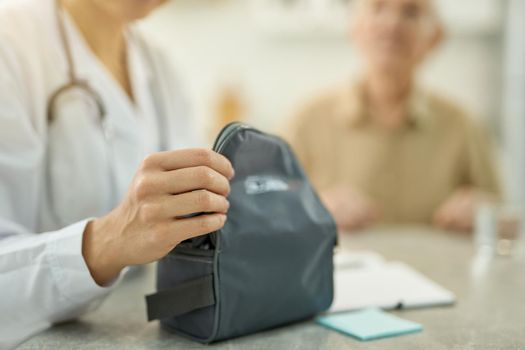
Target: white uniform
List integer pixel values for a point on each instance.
(43, 277)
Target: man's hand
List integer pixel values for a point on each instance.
(151, 220)
(350, 209)
(458, 211)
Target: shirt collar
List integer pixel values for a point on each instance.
(351, 109)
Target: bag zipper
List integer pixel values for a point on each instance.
(226, 133)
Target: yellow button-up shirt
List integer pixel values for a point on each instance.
(409, 171)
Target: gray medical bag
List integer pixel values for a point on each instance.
(272, 262)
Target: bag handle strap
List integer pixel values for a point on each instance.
(189, 296)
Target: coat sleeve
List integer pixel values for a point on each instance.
(43, 277)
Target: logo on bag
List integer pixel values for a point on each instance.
(264, 184)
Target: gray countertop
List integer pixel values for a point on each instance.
(489, 313)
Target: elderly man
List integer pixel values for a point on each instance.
(385, 149)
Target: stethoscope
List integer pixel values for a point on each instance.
(76, 84)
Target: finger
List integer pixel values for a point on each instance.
(188, 158)
(363, 213)
(194, 202)
(464, 215)
(462, 220)
(438, 221)
(442, 217)
(192, 179)
(196, 226)
(372, 211)
(458, 217)
(372, 217)
(458, 224)
(201, 177)
(179, 206)
(466, 225)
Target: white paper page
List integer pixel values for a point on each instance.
(386, 286)
(357, 259)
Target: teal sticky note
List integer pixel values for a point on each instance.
(369, 324)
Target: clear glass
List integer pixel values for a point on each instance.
(498, 228)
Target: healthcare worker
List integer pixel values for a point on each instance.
(86, 106)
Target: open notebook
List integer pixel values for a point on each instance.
(364, 279)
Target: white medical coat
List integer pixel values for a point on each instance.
(43, 277)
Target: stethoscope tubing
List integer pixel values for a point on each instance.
(74, 83)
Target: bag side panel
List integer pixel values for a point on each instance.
(174, 269)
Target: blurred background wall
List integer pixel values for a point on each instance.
(260, 59)
(513, 121)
